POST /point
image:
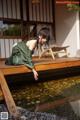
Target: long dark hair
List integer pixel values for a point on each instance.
(45, 33)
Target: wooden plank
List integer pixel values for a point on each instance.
(7, 96)
(41, 66)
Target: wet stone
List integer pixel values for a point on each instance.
(28, 115)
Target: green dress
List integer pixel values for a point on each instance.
(21, 55)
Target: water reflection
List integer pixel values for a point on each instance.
(60, 97)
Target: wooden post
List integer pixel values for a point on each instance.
(8, 97)
(52, 54)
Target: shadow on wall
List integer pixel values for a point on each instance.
(78, 53)
(65, 23)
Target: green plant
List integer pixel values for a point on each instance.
(74, 7)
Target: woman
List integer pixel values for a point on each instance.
(22, 51)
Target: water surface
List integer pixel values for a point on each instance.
(60, 97)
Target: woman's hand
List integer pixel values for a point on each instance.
(35, 74)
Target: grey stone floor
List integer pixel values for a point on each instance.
(28, 115)
(63, 112)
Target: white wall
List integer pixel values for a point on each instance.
(6, 47)
(67, 28)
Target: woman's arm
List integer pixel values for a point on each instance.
(31, 45)
(35, 74)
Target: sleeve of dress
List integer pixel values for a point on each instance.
(25, 55)
(29, 63)
(28, 60)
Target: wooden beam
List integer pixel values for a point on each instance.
(67, 2)
(42, 66)
(8, 97)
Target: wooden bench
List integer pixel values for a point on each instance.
(54, 50)
(41, 65)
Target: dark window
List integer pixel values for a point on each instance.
(10, 29)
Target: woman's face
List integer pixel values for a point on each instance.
(42, 40)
